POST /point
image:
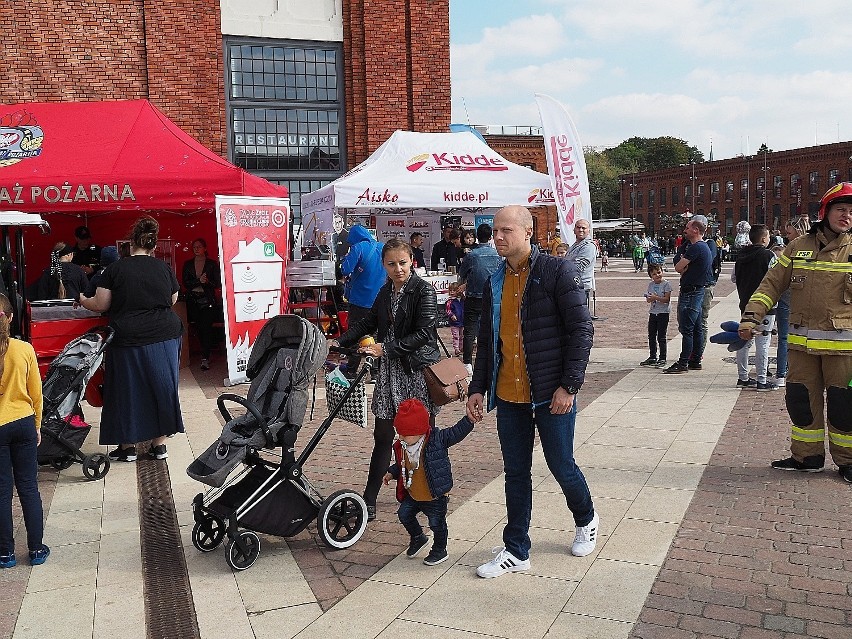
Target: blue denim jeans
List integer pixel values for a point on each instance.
(516, 425)
(782, 323)
(19, 467)
(689, 324)
(436, 514)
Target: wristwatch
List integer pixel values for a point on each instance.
(573, 390)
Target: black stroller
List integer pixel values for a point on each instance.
(63, 429)
(267, 496)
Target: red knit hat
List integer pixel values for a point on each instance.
(411, 419)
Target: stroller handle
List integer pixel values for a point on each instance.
(352, 352)
(250, 407)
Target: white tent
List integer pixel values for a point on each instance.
(437, 171)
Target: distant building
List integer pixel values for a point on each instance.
(764, 188)
(295, 91)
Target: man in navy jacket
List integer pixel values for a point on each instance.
(534, 342)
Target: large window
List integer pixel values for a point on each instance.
(285, 112)
(663, 197)
(675, 194)
(833, 177)
(714, 191)
(813, 183)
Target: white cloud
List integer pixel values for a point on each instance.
(732, 70)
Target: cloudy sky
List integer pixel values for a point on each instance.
(737, 72)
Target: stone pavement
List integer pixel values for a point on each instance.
(723, 546)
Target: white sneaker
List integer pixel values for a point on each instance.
(585, 538)
(503, 562)
(780, 382)
(469, 368)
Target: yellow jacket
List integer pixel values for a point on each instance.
(816, 268)
(20, 387)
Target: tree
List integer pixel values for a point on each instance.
(631, 156)
(603, 184)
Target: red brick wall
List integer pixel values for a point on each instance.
(398, 70)
(77, 50)
(185, 67)
(396, 56)
(84, 50)
(528, 150)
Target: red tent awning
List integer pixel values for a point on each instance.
(96, 157)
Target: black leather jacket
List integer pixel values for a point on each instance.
(415, 325)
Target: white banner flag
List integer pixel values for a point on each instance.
(566, 165)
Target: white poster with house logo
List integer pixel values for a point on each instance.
(253, 253)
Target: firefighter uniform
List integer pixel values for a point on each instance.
(816, 267)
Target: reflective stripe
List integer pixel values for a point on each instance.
(837, 335)
(833, 267)
(763, 299)
(820, 344)
(784, 261)
(840, 440)
(803, 435)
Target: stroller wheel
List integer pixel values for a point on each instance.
(239, 559)
(95, 466)
(342, 519)
(208, 534)
(61, 463)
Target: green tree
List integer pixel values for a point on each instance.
(633, 155)
(603, 184)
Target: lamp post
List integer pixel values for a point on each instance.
(692, 189)
(765, 186)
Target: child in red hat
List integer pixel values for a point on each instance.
(423, 475)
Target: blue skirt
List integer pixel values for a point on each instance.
(141, 393)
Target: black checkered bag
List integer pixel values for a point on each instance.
(354, 410)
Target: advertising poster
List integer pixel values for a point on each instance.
(253, 254)
(403, 225)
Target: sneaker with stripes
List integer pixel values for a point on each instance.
(585, 538)
(503, 562)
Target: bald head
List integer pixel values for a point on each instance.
(519, 215)
(513, 227)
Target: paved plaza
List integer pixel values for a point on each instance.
(699, 537)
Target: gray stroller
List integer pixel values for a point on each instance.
(272, 497)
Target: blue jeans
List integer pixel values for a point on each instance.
(782, 323)
(689, 324)
(19, 466)
(516, 425)
(436, 513)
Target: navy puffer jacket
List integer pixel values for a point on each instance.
(439, 473)
(555, 324)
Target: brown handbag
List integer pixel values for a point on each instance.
(446, 381)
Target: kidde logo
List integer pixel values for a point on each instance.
(541, 196)
(453, 162)
(566, 180)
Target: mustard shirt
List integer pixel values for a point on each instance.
(513, 385)
(20, 387)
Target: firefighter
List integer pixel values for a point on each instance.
(817, 268)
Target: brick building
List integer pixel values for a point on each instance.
(766, 188)
(525, 146)
(293, 91)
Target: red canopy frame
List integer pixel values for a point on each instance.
(104, 164)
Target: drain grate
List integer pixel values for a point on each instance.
(169, 610)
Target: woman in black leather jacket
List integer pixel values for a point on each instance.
(405, 319)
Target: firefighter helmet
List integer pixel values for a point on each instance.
(840, 191)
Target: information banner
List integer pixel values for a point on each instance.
(253, 254)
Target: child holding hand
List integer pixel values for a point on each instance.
(424, 476)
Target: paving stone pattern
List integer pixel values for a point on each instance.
(761, 553)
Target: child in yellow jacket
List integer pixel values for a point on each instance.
(20, 421)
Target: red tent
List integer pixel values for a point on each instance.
(103, 164)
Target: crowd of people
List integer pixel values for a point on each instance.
(529, 315)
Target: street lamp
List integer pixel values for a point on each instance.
(692, 189)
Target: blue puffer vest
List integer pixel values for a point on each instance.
(439, 472)
(555, 324)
